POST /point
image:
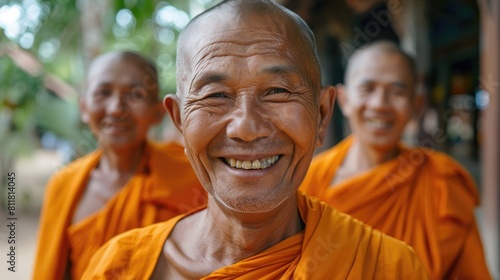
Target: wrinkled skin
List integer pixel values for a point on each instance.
(120, 102)
(248, 90)
(249, 98)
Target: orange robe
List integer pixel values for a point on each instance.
(332, 246)
(422, 197)
(166, 188)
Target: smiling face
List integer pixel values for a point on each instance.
(120, 102)
(378, 97)
(248, 109)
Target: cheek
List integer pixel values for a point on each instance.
(299, 123)
(199, 129)
(403, 107)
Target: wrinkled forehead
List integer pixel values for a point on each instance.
(247, 34)
(241, 36)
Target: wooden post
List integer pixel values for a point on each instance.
(490, 131)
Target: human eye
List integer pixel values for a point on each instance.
(217, 95)
(101, 92)
(138, 94)
(278, 90)
(366, 88)
(397, 90)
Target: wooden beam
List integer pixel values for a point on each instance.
(490, 131)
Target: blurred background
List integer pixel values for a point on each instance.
(45, 47)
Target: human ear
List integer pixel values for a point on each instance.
(419, 102)
(326, 102)
(171, 102)
(342, 99)
(84, 115)
(159, 112)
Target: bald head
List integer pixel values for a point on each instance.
(117, 59)
(238, 17)
(381, 47)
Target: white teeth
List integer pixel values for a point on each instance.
(255, 164)
(377, 123)
(247, 164)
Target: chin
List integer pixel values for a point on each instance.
(251, 205)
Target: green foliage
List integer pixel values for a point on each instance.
(17, 103)
(54, 37)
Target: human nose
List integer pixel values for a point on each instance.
(248, 122)
(117, 105)
(379, 99)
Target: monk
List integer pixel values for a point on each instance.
(128, 182)
(250, 106)
(417, 195)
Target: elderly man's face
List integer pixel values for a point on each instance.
(248, 114)
(120, 103)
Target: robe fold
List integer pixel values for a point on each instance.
(422, 197)
(165, 188)
(332, 246)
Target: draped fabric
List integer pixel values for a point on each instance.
(165, 188)
(422, 197)
(332, 246)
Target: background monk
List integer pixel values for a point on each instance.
(128, 182)
(417, 195)
(250, 106)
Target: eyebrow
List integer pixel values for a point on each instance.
(281, 70)
(208, 78)
(398, 84)
(214, 77)
(113, 84)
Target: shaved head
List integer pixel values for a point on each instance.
(249, 86)
(233, 13)
(148, 67)
(380, 47)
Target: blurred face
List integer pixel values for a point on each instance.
(249, 116)
(378, 98)
(120, 103)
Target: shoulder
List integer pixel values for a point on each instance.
(133, 253)
(445, 164)
(453, 186)
(75, 172)
(363, 251)
(389, 257)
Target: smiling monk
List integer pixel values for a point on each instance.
(420, 196)
(251, 109)
(128, 182)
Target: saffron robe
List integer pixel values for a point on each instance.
(165, 188)
(422, 197)
(332, 246)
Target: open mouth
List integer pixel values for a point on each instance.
(252, 164)
(379, 124)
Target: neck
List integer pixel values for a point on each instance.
(363, 157)
(230, 237)
(123, 161)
